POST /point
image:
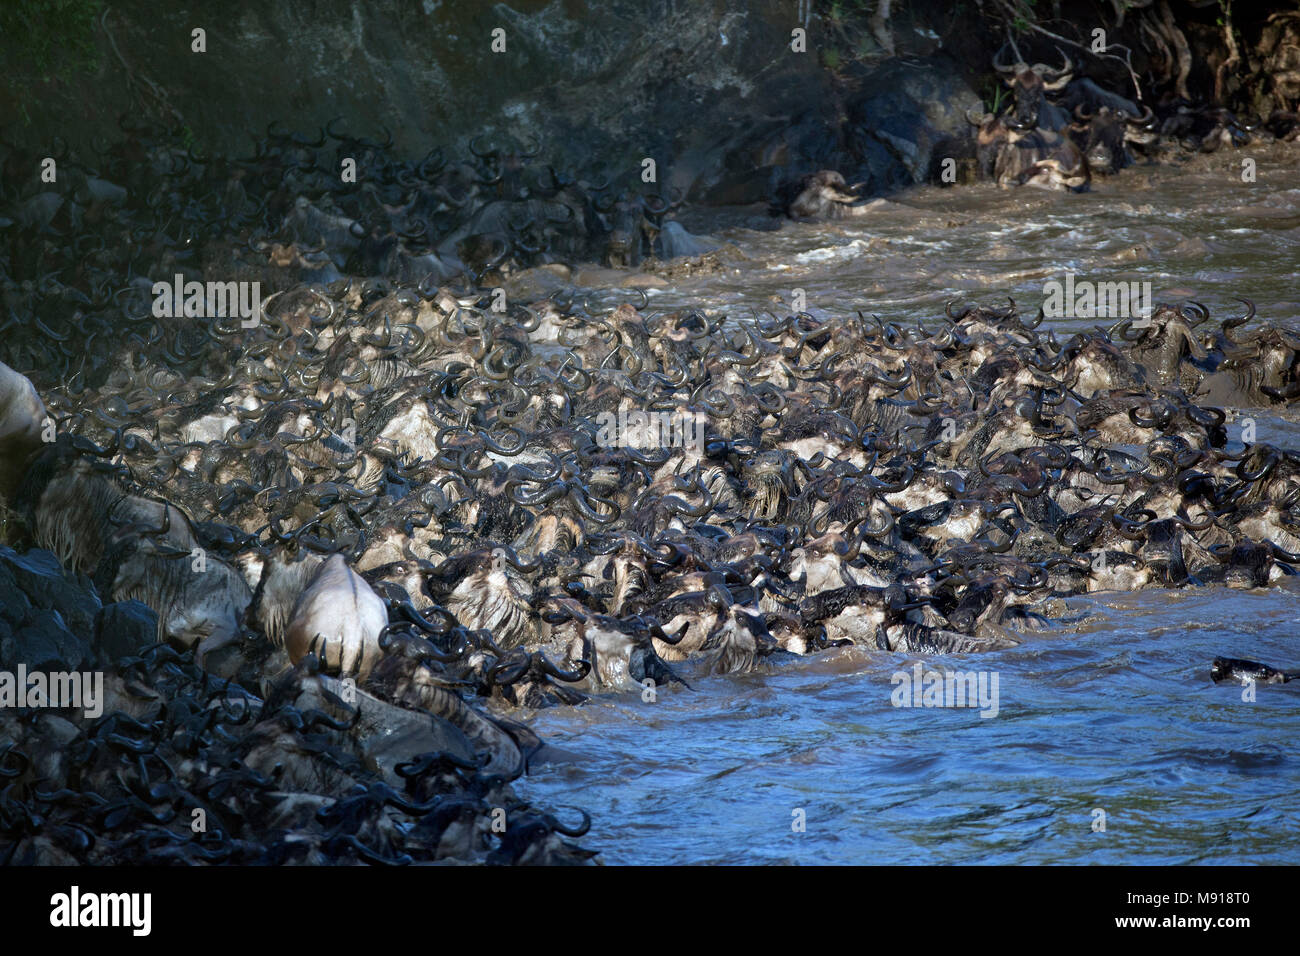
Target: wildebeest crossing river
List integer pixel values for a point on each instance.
(1114, 712)
(918, 576)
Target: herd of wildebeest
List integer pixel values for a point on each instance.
(377, 519)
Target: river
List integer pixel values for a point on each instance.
(1111, 711)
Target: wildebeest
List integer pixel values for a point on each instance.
(1027, 144)
(825, 195)
(21, 415)
(1104, 136)
(1028, 157)
(321, 606)
(632, 223)
(1029, 87)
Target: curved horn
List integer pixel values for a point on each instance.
(1005, 69)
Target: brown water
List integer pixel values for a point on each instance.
(1112, 711)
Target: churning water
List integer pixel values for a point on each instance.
(1112, 710)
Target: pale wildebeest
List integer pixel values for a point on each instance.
(133, 546)
(147, 550)
(825, 195)
(318, 605)
(22, 414)
(200, 601)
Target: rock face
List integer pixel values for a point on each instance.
(892, 125)
(52, 619)
(713, 92)
(915, 113)
(44, 643)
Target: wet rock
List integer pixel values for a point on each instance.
(123, 628)
(45, 643)
(598, 277)
(678, 242)
(1193, 246)
(891, 127)
(14, 604)
(55, 733)
(46, 584)
(774, 152)
(529, 285)
(642, 281)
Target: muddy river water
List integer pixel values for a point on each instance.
(1110, 743)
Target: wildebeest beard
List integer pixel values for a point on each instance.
(768, 495)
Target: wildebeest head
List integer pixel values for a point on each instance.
(1030, 85)
(1161, 343)
(632, 229)
(504, 168)
(1101, 137)
(202, 609)
(1106, 135)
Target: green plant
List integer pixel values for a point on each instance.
(49, 38)
(996, 95)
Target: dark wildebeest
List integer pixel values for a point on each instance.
(1202, 129)
(1027, 144)
(1104, 136)
(1029, 87)
(1106, 125)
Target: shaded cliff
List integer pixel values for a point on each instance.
(727, 96)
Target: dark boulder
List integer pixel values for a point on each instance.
(123, 628)
(916, 111)
(44, 643)
(44, 582)
(14, 604)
